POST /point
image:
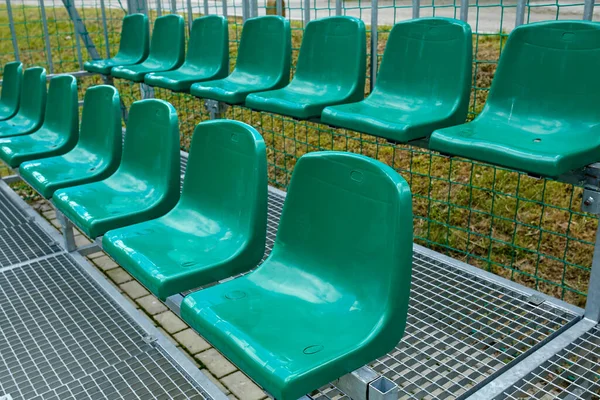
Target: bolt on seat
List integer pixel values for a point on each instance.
(424, 83)
(263, 62)
(333, 294)
(331, 70)
(167, 50)
(133, 46)
(217, 229)
(207, 56)
(541, 115)
(30, 115)
(57, 135)
(146, 184)
(97, 153)
(12, 80)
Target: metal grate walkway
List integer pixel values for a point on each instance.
(62, 336)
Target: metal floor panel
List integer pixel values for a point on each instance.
(573, 373)
(461, 330)
(10, 214)
(24, 242)
(146, 376)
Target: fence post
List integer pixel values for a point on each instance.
(46, 37)
(338, 7)
(190, 15)
(245, 10)
(416, 8)
(592, 305)
(588, 10)
(173, 6)
(206, 7)
(464, 10)
(520, 19)
(374, 41)
(13, 33)
(105, 26)
(225, 8)
(306, 12)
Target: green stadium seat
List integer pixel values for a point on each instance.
(263, 62)
(542, 114)
(333, 294)
(167, 50)
(31, 107)
(57, 135)
(133, 46)
(217, 229)
(330, 70)
(146, 184)
(207, 56)
(424, 83)
(97, 153)
(12, 79)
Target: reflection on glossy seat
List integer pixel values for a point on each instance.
(146, 184)
(207, 56)
(333, 294)
(57, 135)
(167, 50)
(263, 62)
(12, 79)
(542, 114)
(217, 229)
(330, 70)
(133, 46)
(31, 107)
(96, 155)
(423, 84)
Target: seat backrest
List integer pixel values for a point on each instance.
(347, 223)
(12, 79)
(151, 147)
(100, 132)
(209, 43)
(62, 107)
(428, 59)
(226, 178)
(334, 50)
(548, 71)
(33, 94)
(135, 37)
(168, 40)
(266, 49)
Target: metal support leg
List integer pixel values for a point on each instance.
(364, 383)
(588, 10)
(520, 19)
(147, 91)
(374, 41)
(464, 10)
(109, 80)
(215, 109)
(66, 227)
(591, 204)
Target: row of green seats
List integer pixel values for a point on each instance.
(316, 281)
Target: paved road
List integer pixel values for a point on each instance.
(489, 17)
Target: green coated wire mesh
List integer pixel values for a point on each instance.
(525, 229)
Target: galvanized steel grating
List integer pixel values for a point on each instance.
(57, 326)
(572, 373)
(145, 376)
(24, 242)
(461, 329)
(10, 214)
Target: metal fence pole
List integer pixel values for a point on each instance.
(588, 10)
(592, 305)
(520, 19)
(81, 31)
(464, 10)
(206, 7)
(225, 8)
(374, 41)
(254, 4)
(190, 15)
(158, 8)
(416, 8)
(105, 26)
(306, 12)
(245, 10)
(338, 7)
(46, 37)
(13, 33)
(173, 6)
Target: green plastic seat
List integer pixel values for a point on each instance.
(59, 132)
(133, 46)
(32, 105)
(542, 113)
(423, 84)
(146, 184)
(331, 70)
(333, 294)
(97, 153)
(263, 62)
(207, 56)
(167, 50)
(12, 80)
(217, 229)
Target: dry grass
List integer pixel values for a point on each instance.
(525, 229)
